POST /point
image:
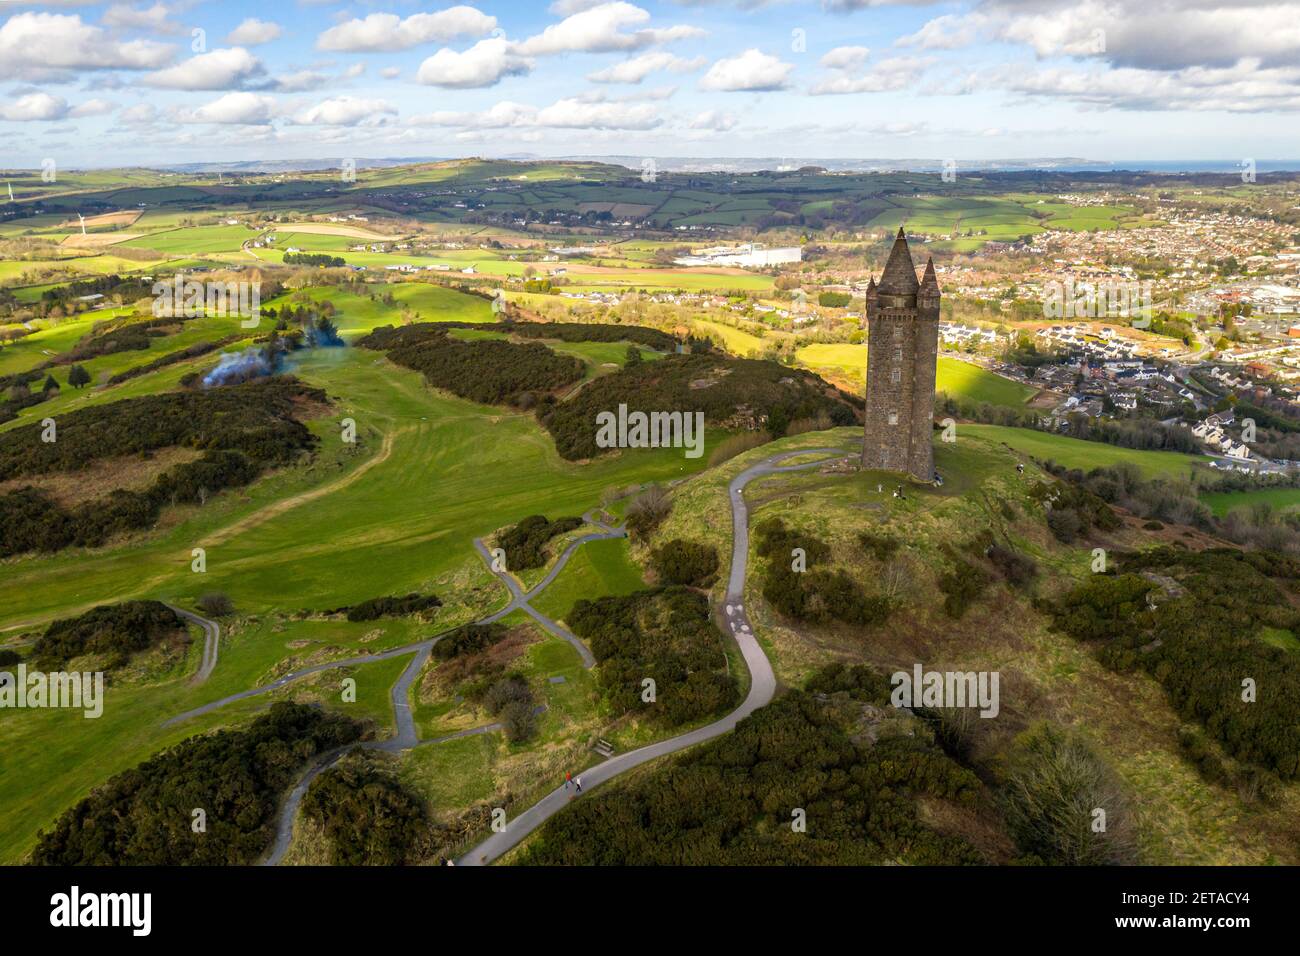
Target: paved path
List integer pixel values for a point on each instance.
(407, 735)
(211, 642)
(762, 680)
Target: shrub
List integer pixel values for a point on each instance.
(1018, 569)
(525, 543)
(491, 371)
(666, 634)
(143, 816)
(242, 431)
(961, 586)
(369, 816)
(685, 562)
(468, 640)
(737, 444)
(115, 630)
(714, 384)
(648, 511)
(728, 801)
(1054, 783)
(1201, 639)
(882, 547)
(376, 608)
(215, 604)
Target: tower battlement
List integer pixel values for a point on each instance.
(902, 355)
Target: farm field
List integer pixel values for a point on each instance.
(1279, 499)
(1076, 453)
(955, 377)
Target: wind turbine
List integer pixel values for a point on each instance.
(83, 223)
(11, 190)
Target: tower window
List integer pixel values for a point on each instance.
(898, 355)
(895, 376)
(893, 418)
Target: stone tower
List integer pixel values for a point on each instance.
(902, 351)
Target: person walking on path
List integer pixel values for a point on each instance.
(568, 778)
(577, 782)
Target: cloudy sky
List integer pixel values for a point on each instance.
(95, 84)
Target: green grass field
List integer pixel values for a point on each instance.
(599, 568)
(1076, 453)
(1279, 499)
(958, 378)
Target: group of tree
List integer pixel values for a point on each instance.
(666, 635)
(241, 432)
(525, 543)
(714, 384)
(734, 800)
(685, 562)
(235, 778)
(1196, 622)
(368, 815)
(115, 631)
(314, 259)
(799, 581)
(468, 639)
(403, 606)
(491, 371)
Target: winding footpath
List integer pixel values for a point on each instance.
(762, 680)
(407, 736)
(211, 642)
(761, 689)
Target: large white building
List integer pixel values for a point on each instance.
(751, 255)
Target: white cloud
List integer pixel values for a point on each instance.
(390, 72)
(949, 32)
(301, 81)
(1156, 34)
(42, 44)
(566, 8)
(576, 114)
(599, 29)
(142, 114)
(387, 31)
(253, 32)
(247, 109)
(483, 64)
(346, 111)
(894, 74)
(752, 70)
(1246, 87)
(219, 70)
(714, 120)
(127, 17)
(93, 107)
(639, 67)
(845, 57)
(34, 106)
(504, 114)
(569, 113)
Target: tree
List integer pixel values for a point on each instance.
(215, 604)
(50, 384)
(633, 357)
(78, 376)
